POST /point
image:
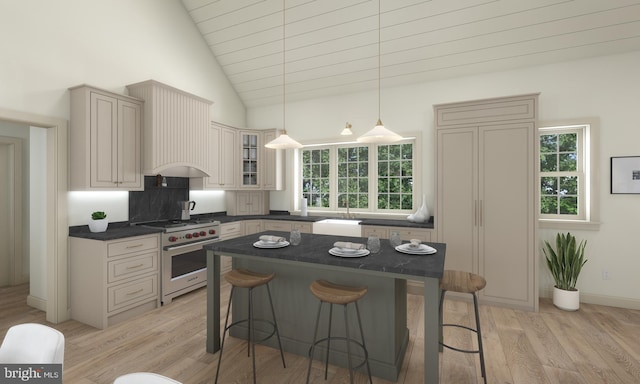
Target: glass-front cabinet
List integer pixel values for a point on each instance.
(251, 143)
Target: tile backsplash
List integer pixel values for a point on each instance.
(157, 202)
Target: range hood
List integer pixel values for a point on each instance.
(176, 130)
(175, 170)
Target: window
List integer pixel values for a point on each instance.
(369, 178)
(565, 177)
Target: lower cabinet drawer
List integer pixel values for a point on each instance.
(277, 226)
(303, 227)
(123, 295)
(133, 266)
(408, 234)
(231, 230)
(137, 244)
(380, 232)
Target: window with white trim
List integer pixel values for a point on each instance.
(564, 173)
(364, 177)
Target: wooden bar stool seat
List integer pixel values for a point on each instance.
(331, 293)
(244, 278)
(464, 282)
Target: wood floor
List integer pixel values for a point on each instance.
(597, 344)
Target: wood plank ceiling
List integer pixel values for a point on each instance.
(331, 46)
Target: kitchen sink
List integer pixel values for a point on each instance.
(338, 227)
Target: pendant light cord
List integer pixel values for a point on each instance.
(284, 130)
(379, 54)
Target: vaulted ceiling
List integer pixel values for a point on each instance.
(331, 46)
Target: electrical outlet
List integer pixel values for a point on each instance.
(605, 274)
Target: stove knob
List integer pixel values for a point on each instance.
(203, 233)
(212, 231)
(196, 234)
(188, 236)
(173, 239)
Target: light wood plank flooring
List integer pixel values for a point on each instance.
(597, 344)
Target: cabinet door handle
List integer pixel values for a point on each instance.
(481, 213)
(135, 292)
(475, 213)
(135, 266)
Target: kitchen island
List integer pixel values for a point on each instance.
(383, 308)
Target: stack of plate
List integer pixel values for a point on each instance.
(348, 252)
(270, 244)
(422, 249)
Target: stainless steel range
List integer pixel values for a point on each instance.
(183, 261)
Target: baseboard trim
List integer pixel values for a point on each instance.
(591, 298)
(417, 288)
(37, 303)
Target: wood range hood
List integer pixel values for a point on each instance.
(175, 130)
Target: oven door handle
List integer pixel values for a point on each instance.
(176, 247)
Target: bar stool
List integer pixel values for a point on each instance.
(243, 278)
(331, 293)
(464, 282)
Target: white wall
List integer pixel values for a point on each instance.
(49, 46)
(604, 88)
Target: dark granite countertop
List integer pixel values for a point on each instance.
(311, 219)
(314, 250)
(117, 230)
(123, 229)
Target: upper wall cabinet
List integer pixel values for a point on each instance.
(486, 194)
(105, 140)
(260, 167)
(222, 142)
(176, 128)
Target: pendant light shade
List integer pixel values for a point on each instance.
(283, 141)
(379, 134)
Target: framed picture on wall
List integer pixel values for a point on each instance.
(625, 174)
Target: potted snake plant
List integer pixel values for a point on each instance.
(99, 222)
(565, 264)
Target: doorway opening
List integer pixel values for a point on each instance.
(54, 215)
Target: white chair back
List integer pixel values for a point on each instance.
(144, 378)
(32, 343)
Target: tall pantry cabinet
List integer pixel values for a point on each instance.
(487, 194)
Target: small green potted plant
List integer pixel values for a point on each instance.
(99, 222)
(565, 264)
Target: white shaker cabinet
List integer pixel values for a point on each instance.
(112, 281)
(260, 168)
(486, 194)
(241, 203)
(105, 140)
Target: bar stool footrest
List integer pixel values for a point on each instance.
(263, 321)
(342, 338)
(458, 349)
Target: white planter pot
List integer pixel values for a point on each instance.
(98, 225)
(566, 300)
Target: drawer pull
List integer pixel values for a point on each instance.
(135, 266)
(135, 292)
(134, 246)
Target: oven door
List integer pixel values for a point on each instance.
(184, 268)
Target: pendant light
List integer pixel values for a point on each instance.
(379, 134)
(347, 130)
(283, 141)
